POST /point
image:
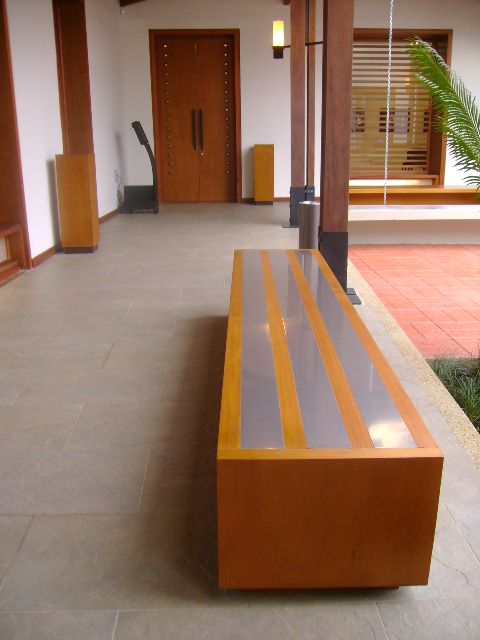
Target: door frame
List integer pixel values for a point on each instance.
(159, 33)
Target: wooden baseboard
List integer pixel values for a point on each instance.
(108, 216)
(9, 269)
(45, 255)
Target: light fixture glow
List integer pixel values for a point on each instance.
(278, 33)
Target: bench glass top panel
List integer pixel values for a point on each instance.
(306, 377)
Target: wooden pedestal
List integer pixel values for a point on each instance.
(264, 173)
(77, 202)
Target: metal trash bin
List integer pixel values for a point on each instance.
(309, 215)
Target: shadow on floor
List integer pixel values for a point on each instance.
(182, 499)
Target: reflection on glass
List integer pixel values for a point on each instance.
(373, 399)
(323, 425)
(260, 427)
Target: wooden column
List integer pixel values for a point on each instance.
(297, 89)
(76, 180)
(336, 124)
(311, 51)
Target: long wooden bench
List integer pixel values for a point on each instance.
(326, 474)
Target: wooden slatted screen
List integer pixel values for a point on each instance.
(410, 120)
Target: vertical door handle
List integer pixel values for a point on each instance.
(194, 130)
(200, 127)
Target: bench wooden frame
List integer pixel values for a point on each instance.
(298, 517)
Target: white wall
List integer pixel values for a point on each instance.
(103, 18)
(463, 16)
(32, 43)
(265, 83)
(121, 91)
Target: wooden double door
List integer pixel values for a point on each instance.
(195, 116)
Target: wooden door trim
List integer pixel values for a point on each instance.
(235, 33)
(22, 249)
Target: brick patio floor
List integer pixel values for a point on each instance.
(433, 291)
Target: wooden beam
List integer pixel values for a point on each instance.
(73, 76)
(311, 51)
(297, 88)
(297, 107)
(336, 124)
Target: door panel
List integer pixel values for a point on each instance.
(194, 100)
(176, 153)
(215, 70)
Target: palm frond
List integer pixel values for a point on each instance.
(458, 115)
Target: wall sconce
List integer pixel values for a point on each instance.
(278, 42)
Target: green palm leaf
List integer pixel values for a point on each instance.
(458, 115)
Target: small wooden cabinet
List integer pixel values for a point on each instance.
(77, 202)
(264, 172)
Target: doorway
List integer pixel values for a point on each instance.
(196, 114)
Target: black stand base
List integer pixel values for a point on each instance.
(310, 193)
(352, 296)
(140, 199)
(297, 195)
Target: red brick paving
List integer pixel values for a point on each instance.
(433, 291)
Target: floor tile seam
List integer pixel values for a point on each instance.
(381, 620)
(115, 624)
(461, 346)
(431, 336)
(145, 471)
(112, 344)
(127, 312)
(420, 600)
(464, 538)
(75, 423)
(43, 612)
(17, 551)
(29, 379)
(120, 611)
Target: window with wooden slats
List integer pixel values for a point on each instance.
(410, 121)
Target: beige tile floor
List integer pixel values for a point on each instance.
(110, 373)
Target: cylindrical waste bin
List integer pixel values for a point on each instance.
(309, 223)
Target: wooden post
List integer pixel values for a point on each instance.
(311, 51)
(336, 124)
(297, 89)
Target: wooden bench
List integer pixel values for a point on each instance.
(326, 475)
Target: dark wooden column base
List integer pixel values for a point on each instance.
(297, 195)
(333, 245)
